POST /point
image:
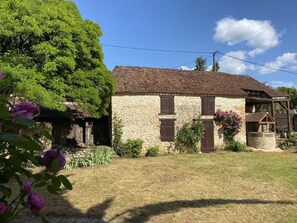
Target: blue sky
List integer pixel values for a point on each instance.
(260, 31)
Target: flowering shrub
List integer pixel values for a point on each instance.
(230, 122)
(52, 156)
(26, 110)
(27, 187)
(35, 202)
(188, 136)
(20, 146)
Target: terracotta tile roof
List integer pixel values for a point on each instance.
(72, 109)
(143, 80)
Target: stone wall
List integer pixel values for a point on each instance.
(187, 108)
(262, 140)
(140, 116)
(226, 104)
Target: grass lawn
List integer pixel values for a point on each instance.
(215, 187)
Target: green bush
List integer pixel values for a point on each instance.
(236, 146)
(293, 136)
(132, 148)
(21, 149)
(287, 145)
(101, 155)
(153, 151)
(188, 136)
(117, 135)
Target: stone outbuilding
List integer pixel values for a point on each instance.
(153, 103)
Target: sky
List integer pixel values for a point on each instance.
(173, 33)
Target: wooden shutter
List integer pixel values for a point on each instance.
(207, 141)
(167, 104)
(208, 105)
(167, 130)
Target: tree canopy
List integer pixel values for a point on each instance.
(290, 91)
(51, 55)
(200, 64)
(216, 68)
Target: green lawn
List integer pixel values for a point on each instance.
(215, 187)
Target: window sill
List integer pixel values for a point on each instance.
(167, 113)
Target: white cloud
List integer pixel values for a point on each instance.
(276, 84)
(259, 35)
(287, 61)
(235, 66)
(185, 68)
(209, 68)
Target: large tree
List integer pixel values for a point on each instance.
(52, 55)
(200, 64)
(216, 68)
(290, 91)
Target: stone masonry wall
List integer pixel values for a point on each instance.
(262, 140)
(236, 105)
(140, 115)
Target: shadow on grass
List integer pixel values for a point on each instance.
(100, 210)
(144, 213)
(96, 212)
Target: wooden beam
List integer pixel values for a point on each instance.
(283, 105)
(260, 99)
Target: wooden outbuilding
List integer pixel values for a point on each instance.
(259, 122)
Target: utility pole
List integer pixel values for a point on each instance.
(214, 60)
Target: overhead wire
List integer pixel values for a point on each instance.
(198, 52)
(156, 50)
(186, 63)
(183, 64)
(257, 64)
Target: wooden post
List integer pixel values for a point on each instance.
(214, 61)
(288, 118)
(273, 114)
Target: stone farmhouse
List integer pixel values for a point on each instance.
(153, 103)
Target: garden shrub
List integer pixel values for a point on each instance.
(153, 151)
(101, 155)
(133, 148)
(20, 147)
(188, 136)
(287, 145)
(230, 122)
(117, 136)
(237, 146)
(293, 136)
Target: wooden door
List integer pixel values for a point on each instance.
(207, 141)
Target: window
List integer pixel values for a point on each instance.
(167, 104)
(208, 105)
(167, 130)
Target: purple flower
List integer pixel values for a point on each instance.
(2, 207)
(26, 110)
(51, 155)
(35, 202)
(1, 75)
(27, 186)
